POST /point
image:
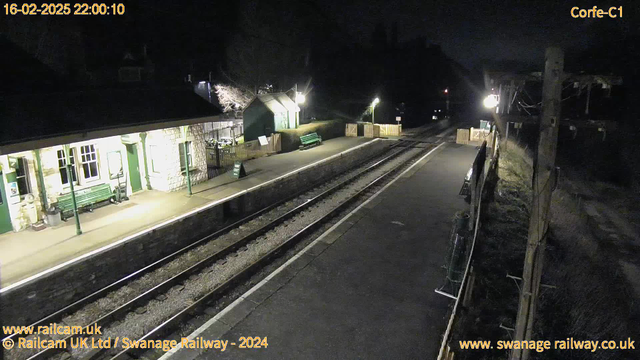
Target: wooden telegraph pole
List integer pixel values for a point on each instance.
(543, 179)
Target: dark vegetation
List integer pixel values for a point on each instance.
(499, 251)
(593, 300)
(328, 129)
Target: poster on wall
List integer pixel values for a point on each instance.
(14, 194)
(114, 162)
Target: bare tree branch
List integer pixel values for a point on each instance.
(232, 98)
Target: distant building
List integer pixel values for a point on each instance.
(269, 113)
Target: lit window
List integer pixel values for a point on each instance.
(62, 165)
(22, 176)
(181, 151)
(89, 162)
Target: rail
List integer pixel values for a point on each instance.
(248, 271)
(159, 288)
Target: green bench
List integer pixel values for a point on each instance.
(84, 197)
(310, 140)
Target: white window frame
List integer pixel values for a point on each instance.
(24, 163)
(74, 164)
(88, 156)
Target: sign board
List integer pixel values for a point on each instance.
(485, 125)
(398, 118)
(13, 162)
(14, 193)
(238, 170)
(263, 140)
(114, 162)
(130, 139)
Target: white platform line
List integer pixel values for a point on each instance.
(172, 220)
(243, 297)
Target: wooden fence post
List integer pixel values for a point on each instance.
(542, 189)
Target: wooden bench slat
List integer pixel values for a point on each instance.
(310, 139)
(85, 197)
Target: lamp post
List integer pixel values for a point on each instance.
(490, 101)
(446, 92)
(299, 98)
(373, 110)
(73, 193)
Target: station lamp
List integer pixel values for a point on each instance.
(490, 101)
(373, 109)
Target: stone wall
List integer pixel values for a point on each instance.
(163, 147)
(33, 300)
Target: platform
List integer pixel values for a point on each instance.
(365, 288)
(27, 253)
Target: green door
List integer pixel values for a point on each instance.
(134, 167)
(5, 217)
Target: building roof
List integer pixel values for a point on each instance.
(34, 117)
(277, 102)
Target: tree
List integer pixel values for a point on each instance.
(267, 49)
(232, 98)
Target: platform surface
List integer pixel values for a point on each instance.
(365, 289)
(26, 253)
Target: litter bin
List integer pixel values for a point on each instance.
(53, 217)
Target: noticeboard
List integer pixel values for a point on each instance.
(238, 170)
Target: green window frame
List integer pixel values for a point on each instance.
(181, 154)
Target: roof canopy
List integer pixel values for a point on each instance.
(42, 116)
(277, 102)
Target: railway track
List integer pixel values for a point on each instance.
(347, 189)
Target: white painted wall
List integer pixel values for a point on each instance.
(162, 147)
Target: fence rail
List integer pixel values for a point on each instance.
(478, 181)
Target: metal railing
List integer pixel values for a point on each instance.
(478, 180)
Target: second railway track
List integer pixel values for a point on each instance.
(149, 305)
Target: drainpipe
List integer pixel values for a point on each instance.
(143, 137)
(73, 194)
(43, 191)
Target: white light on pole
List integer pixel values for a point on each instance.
(300, 98)
(490, 101)
(373, 109)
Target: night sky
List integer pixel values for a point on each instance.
(469, 32)
(473, 31)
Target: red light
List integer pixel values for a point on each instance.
(446, 91)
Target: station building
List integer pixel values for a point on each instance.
(269, 113)
(115, 138)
